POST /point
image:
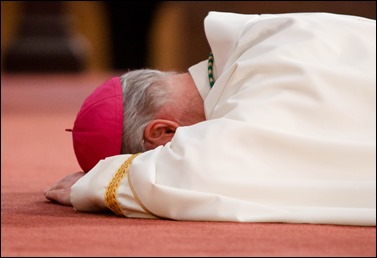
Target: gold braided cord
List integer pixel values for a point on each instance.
(112, 188)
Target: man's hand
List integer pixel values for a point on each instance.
(61, 191)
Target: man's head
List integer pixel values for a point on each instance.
(97, 131)
(134, 113)
(145, 92)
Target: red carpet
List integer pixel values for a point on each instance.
(36, 152)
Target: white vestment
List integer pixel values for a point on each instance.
(290, 134)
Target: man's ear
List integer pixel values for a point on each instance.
(159, 132)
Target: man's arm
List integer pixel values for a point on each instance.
(61, 191)
(99, 189)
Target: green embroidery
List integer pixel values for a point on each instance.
(210, 70)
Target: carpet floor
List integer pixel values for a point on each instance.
(36, 151)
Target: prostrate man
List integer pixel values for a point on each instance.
(289, 132)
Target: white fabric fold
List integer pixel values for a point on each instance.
(290, 134)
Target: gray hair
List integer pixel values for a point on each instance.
(144, 93)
